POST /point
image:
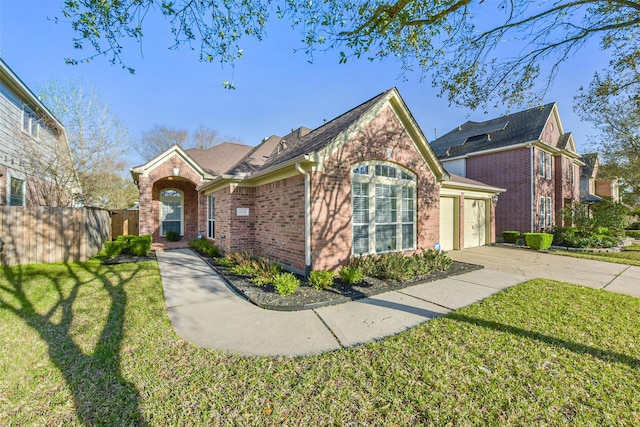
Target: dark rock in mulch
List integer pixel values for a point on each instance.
(121, 259)
(306, 297)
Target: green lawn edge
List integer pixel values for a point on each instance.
(89, 344)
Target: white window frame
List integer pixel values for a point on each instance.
(211, 216)
(30, 122)
(542, 218)
(17, 177)
(376, 177)
(549, 220)
(162, 213)
(542, 165)
(548, 165)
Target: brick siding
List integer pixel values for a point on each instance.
(331, 190)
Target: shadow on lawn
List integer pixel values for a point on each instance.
(101, 394)
(604, 355)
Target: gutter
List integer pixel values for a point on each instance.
(307, 219)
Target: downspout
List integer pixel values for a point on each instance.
(307, 219)
(533, 202)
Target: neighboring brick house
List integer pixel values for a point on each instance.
(35, 161)
(366, 182)
(527, 153)
(592, 188)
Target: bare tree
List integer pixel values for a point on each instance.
(97, 138)
(204, 137)
(46, 160)
(159, 139)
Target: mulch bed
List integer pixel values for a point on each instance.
(306, 297)
(123, 258)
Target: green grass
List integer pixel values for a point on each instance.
(86, 344)
(630, 255)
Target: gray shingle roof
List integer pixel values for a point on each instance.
(510, 129)
(217, 159)
(299, 143)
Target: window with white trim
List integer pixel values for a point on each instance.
(549, 212)
(542, 217)
(171, 211)
(542, 166)
(211, 216)
(30, 122)
(383, 208)
(17, 191)
(547, 160)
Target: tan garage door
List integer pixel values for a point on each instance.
(475, 223)
(447, 223)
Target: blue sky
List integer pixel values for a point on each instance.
(276, 88)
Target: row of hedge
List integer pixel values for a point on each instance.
(570, 237)
(128, 245)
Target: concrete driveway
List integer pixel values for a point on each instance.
(532, 264)
(205, 311)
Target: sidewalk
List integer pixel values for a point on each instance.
(204, 310)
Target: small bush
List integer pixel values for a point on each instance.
(634, 234)
(172, 236)
(351, 275)
(128, 244)
(511, 236)
(538, 241)
(265, 271)
(206, 247)
(114, 248)
(321, 279)
(437, 260)
(286, 283)
(635, 226)
(140, 245)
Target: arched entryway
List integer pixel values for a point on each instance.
(175, 208)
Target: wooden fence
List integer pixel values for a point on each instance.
(46, 235)
(124, 222)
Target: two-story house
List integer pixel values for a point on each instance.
(529, 154)
(592, 188)
(35, 160)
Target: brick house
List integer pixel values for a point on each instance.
(592, 188)
(529, 154)
(36, 168)
(365, 182)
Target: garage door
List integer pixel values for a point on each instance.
(475, 225)
(447, 223)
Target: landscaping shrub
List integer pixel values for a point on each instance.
(128, 244)
(538, 241)
(634, 234)
(511, 236)
(286, 283)
(172, 236)
(351, 275)
(437, 260)
(206, 247)
(635, 226)
(114, 248)
(321, 279)
(574, 238)
(394, 266)
(265, 271)
(140, 245)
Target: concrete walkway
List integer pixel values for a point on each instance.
(205, 311)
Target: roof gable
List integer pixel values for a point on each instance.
(324, 140)
(511, 129)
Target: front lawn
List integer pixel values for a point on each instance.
(87, 344)
(630, 255)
